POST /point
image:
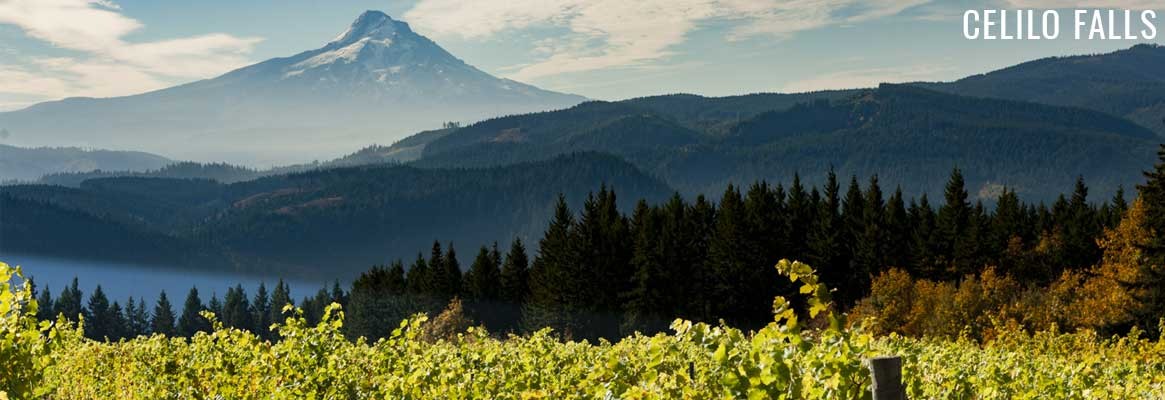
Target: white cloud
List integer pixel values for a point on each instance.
(620, 33)
(870, 77)
(106, 64)
(1106, 4)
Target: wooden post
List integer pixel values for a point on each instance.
(886, 374)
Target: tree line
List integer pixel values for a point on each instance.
(604, 273)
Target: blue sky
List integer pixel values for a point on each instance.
(603, 49)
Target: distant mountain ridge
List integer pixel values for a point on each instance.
(378, 80)
(29, 164)
(329, 222)
(907, 135)
(1129, 83)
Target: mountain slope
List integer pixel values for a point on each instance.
(1128, 83)
(376, 82)
(25, 164)
(908, 135)
(329, 222)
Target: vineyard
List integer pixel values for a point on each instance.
(805, 353)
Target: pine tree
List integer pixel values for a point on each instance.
(375, 303)
(118, 324)
(799, 222)
(314, 307)
(338, 296)
(450, 282)
(137, 318)
(682, 250)
(418, 276)
(924, 243)
(1118, 207)
(897, 237)
(869, 253)
(280, 298)
(702, 223)
(552, 286)
(483, 281)
(825, 240)
(601, 270)
(44, 303)
(98, 321)
(215, 306)
(261, 312)
(952, 220)
(648, 294)
(730, 266)
(163, 319)
(1151, 285)
(1081, 228)
(515, 287)
(191, 321)
(69, 303)
(434, 285)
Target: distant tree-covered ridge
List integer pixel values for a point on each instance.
(907, 135)
(1128, 83)
(330, 221)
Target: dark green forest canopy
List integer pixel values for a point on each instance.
(906, 135)
(333, 221)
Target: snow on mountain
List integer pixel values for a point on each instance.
(376, 82)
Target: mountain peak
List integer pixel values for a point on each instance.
(371, 24)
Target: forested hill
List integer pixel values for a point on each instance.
(27, 164)
(1128, 83)
(907, 135)
(332, 221)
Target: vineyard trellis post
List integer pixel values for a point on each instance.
(886, 378)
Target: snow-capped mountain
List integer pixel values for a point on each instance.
(376, 82)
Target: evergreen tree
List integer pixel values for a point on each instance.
(481, 289)
(897, 232)
(435, 278)
(924, 242)
(191, 321)
(869, 254)
(137, 318)
(951, 222)
(99, 324)
(553, 298)
(483, 281)
(261, 312)
(648, 294)
(515, 288)
(117, 324)
(1150, 288)
(968, 254)
(237, 311)
(800, 222)
(449, 285)
(338, 296)
(729, 265)
(418, 276)
(69, 303)
(163, 319)
(1081, 228)
(376, 303)
(280, 298)
(215, 306)
(314, 307)
(396, 279)
(45, 308)
(681, 248)
(825, 241)
(702, 217)
(601, 268)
